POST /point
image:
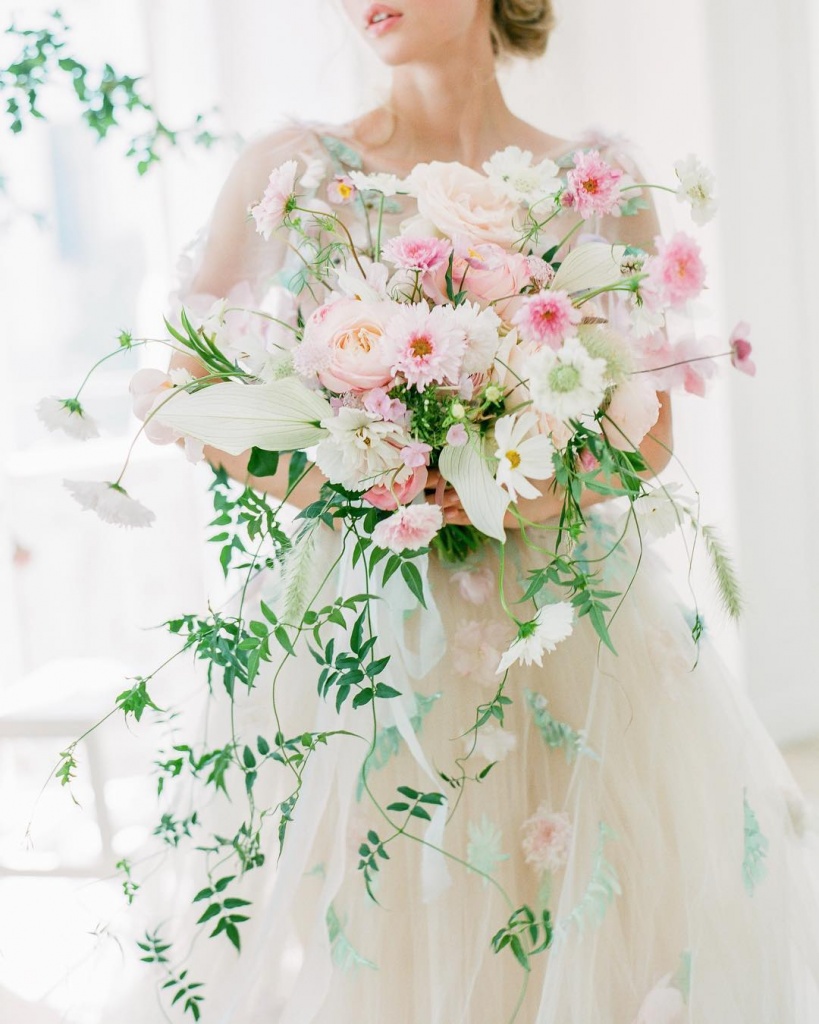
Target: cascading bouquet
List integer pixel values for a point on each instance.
(476, 341)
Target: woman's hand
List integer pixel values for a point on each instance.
(535, 510)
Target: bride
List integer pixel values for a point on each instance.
(637, 799)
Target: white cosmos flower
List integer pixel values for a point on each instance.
(522, 458)
(553, 623)
(696, 188)
(387, 184)
(513, 170)
(566, 383)
(482, 339)
(660, 511)
(68, 415)
(361, 448)
(110, 501)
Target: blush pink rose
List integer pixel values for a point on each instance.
(344, 346)
(489, 274)
(460, 201)
(410, 528)
(632, 412)
(408, 483)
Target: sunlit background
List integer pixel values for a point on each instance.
(87, 248)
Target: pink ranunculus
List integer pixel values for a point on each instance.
(409, 481)
(392, 410)
(416, 454)
(632, 412)
(411, 252)
(410, 528)
(677, 272)
(456, 435)
(547, 838)
(593, 186)
(460, 201)
(341, 190)
(344, 345)
(488, 274)
(741, 349)
(476, 586)
(270, 211)
(427, 345)
(547, 319)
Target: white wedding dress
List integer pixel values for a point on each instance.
(686, 890)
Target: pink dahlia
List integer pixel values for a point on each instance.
(547, 837)
(410, 528)
(677, 271)
(427, 345)
(741, 349)
(417, 253)
(278, 197)
(547, 318)
(593, 186)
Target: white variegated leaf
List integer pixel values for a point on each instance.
(591, 265)
(283, 415)
(484, 501)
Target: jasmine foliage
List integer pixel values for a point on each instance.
(525, 934)
(182, 990)
(172, 830)
(245, 519)
(107, 99)
(67, 768)
(355, 671)
(222, 910)
(387, 743)
(129, 887)
(135, 700)
(557, 735)
(345, 955)
(755, 850)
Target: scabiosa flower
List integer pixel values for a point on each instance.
(111, 502)
(277, 200)
(341, 190)
(567, 383)
(547, 839)
(427, 345)
(547, 318)
(522, 458)
(68, 415)
(553, 623)
(522, 179)
(696, 188)
(677, 271)
(387, 184)
(417, 252)
(741, 349)
(593, 186)
(410, 528)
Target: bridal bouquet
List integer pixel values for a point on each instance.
(496, 344)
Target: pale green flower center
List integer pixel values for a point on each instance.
(563, 378)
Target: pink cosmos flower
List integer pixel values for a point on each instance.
(677, 271)
(411, 252)
(741, 349)
(547, 318)
(593, 186)
(631, 413)
(688, 363)
(408, 482)
(427, 345)
(476, 586)
(456, 435)
(341, 190)
(416, 454)
(392, 410)
(270, 211)
(410, 528)
(547, 837)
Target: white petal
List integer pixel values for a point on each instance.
(591, 265)
(280, 416)
(483, 500)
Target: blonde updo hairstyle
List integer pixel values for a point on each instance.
(521, 28)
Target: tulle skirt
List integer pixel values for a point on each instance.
(635, 797)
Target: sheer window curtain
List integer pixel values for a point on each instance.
(662, 73)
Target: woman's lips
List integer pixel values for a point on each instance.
(380, 19)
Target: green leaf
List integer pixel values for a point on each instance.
(412, 578)
(210, 913)
(223, 883)
(386, 692)
(262, 463)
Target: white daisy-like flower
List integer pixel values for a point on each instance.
(696, 188)
(68, 415)
(522, 458)
(387, 184)
(111, 502)
(566, 383)
(512, 168)
(482, 339)
(660, 511)
(553, 623)
(360, 449)
(493, 742)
